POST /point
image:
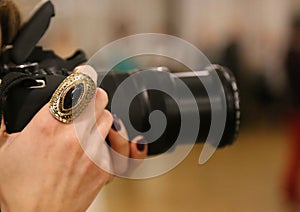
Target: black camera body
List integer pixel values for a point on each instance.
(30, 75)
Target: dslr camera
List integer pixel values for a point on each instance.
(29, 76)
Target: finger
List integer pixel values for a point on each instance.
(4, 136)
(118, 137)
(120, 146)
(101, 101)
(88, 70)
(93, 141)
(3, 126)
(138, 148)
(101, 98)
(103, 123)
(138, 152)
(91, 118)
(92, 127)
(44, 122)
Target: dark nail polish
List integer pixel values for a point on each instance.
(141, 145)
(107, 141)
(116, 124)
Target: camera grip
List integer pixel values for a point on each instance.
(24, 101)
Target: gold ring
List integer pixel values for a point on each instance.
(71, 97)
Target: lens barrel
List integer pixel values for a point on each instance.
(149, 100)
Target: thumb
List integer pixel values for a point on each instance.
(4, 136)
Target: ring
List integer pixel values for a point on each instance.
(71, 97)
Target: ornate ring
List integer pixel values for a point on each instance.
(71, 97)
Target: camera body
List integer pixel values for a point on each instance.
(29, 74)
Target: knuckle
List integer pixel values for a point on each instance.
(107, 116)
(71, 142)
(44, 122)
(46, 125)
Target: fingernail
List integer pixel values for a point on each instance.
(116, 124)
(107, 141)
(141, 144)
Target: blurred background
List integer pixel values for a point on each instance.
(249, 36)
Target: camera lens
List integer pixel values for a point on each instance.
(149, 100)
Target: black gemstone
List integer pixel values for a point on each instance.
(73, 96)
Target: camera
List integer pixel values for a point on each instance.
(31, 74)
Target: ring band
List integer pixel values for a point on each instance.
(71, 97)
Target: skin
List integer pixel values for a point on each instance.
(43, 168)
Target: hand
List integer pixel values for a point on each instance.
(44, 168)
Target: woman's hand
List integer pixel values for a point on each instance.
(44, 168)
